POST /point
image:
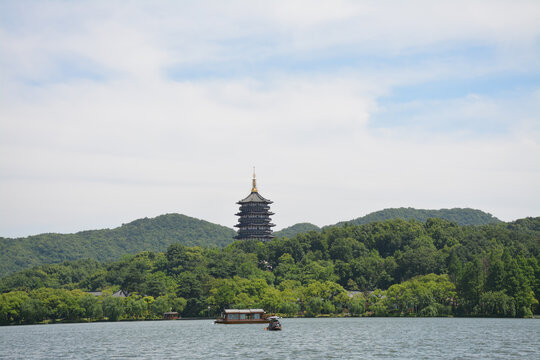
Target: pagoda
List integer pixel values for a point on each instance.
(254, 222)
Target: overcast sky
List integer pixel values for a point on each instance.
(112, 111)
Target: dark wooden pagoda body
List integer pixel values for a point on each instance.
(254, 222)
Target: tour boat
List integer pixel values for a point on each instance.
(274, 325)
(242, 316)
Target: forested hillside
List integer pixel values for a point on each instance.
(457, 215)
(393, 267)
(296, 229)
(154, 234)
(157, 233)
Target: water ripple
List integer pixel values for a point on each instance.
(359, 338)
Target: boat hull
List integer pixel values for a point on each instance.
(243, 321)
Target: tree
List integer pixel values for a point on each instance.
(376, 303)
(357, 305)
(419, 261)
(271, 300)
(160, 306)
(10, 304)
(177, 304)
(469, 286)
(158, 284)
(135, 307)
(314, 306)
(113, 308)
(286, 269)
(343, 249)
(497, 303)
(32, 311)
(92, 307)
(290, 308)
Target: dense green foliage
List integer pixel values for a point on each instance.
(296, 229)
(158, 233)
(144, 234)
(75, 305)
(457, 215)
(390, 268)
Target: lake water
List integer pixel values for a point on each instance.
(354, 338)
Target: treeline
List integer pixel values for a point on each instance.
(390, 268)
(296, 229)
(154, 234)
(457, 215)
(21, 307)
(460, 216)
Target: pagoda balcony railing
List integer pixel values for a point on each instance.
(246, 213)
(254, 231)
(242, 226)
(263, 238)
(253, 235)
(254, 216)
(262, 225)
(244, 220)
(253, 225)
(247, 226)
(254, 208)
(255, 203)
(262, 212)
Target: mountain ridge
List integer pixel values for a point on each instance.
(156, 234)
(461, 216)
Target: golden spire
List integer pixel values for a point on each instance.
(254, 189)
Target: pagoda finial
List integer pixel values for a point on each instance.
(254, 188)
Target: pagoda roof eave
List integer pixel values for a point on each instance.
(254, 197)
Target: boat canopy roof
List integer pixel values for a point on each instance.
(244, 311)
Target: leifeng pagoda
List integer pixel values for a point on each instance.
(254, 222)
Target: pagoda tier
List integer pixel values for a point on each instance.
(257, 213)
(249, 220)
(242, 223)
(254, 222)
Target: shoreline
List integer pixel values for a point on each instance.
(534, 317)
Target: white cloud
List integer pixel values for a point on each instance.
(79, 153)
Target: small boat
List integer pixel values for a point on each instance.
(274, 325)
(243, 316)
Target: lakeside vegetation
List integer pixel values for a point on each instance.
(388, 268)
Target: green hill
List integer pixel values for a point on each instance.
(457, 215)
(157, 233)
(154, 234)
(395, 268)
(296, 229)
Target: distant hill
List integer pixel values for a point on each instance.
(154, 234)
(291, 231)
(457, 215)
